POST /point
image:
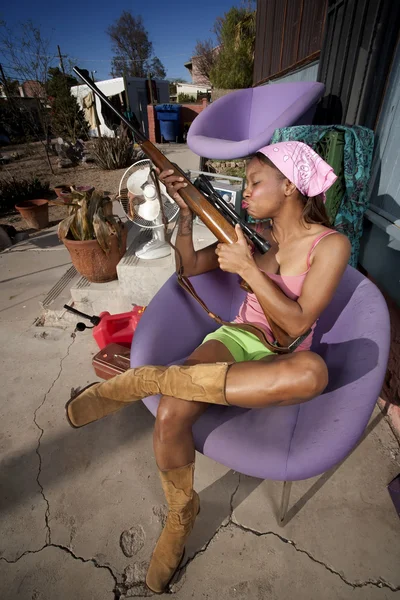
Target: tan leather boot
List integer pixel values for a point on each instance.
(202, 383)
(184, 505)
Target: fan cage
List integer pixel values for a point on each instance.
(171, 209)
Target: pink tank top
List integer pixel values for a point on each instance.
(291, 286)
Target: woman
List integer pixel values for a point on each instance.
(292, 284)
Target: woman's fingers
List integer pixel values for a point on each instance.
(165, 173)
(168, 176)
(177, 185)
(174, 189)
(173, 183)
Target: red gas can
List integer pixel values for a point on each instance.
(117, 329)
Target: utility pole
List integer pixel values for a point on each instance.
(61, 59)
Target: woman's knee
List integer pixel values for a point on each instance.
(315, 373)
(174, 416)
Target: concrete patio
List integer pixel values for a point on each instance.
(81, 510)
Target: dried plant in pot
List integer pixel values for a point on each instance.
(94, 237)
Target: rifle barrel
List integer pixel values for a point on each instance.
(199, 203)
(84, 75)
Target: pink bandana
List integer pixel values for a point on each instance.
(302, 166)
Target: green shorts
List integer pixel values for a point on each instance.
(242, 344)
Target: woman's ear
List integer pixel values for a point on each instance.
(289, 187)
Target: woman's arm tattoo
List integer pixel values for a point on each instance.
(185, 225)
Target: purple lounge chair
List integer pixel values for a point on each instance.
(280, 443)
(242, 122)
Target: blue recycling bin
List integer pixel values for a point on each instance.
(169, 116)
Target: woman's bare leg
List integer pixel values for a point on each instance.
(276, 380)
(246, 384)
(174, 452)
(173, 438)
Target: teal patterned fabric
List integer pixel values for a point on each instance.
(358, 149)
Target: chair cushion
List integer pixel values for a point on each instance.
(227, 119)
(242, 122)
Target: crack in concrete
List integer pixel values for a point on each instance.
(47, 512)
(182, 570)
(380, 583)
(14, 250)
(75, 556)
(48, 543)
(235, 491)
(118, 586)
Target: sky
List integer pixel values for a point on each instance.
(79, 28)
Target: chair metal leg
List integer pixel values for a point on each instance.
(287, 486)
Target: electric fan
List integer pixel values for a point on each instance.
(138, 197)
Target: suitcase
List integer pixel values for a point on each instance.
(112, 360)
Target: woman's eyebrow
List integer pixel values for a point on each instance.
(253, 173)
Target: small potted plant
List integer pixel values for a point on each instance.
(94, 237)
(32, 203)
(35, 212)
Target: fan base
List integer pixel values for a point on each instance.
(153, 249)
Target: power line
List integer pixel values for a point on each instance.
(19, 71)
(10, 67)
(16, 69)
(129, 59)
(23, 51)
(51, 57)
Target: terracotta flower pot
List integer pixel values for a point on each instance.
(66, 194)
(35, 213)
(90, 260)
(85, 189)
(59, 189)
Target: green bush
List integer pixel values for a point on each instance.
(113, 152)
(14, 190)
(18, 124)
(67, 119)
(182, 98)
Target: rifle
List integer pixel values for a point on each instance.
(218, 220)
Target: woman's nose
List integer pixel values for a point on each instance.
(246, 192)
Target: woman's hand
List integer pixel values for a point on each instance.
(173, 183)
(235, 258)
